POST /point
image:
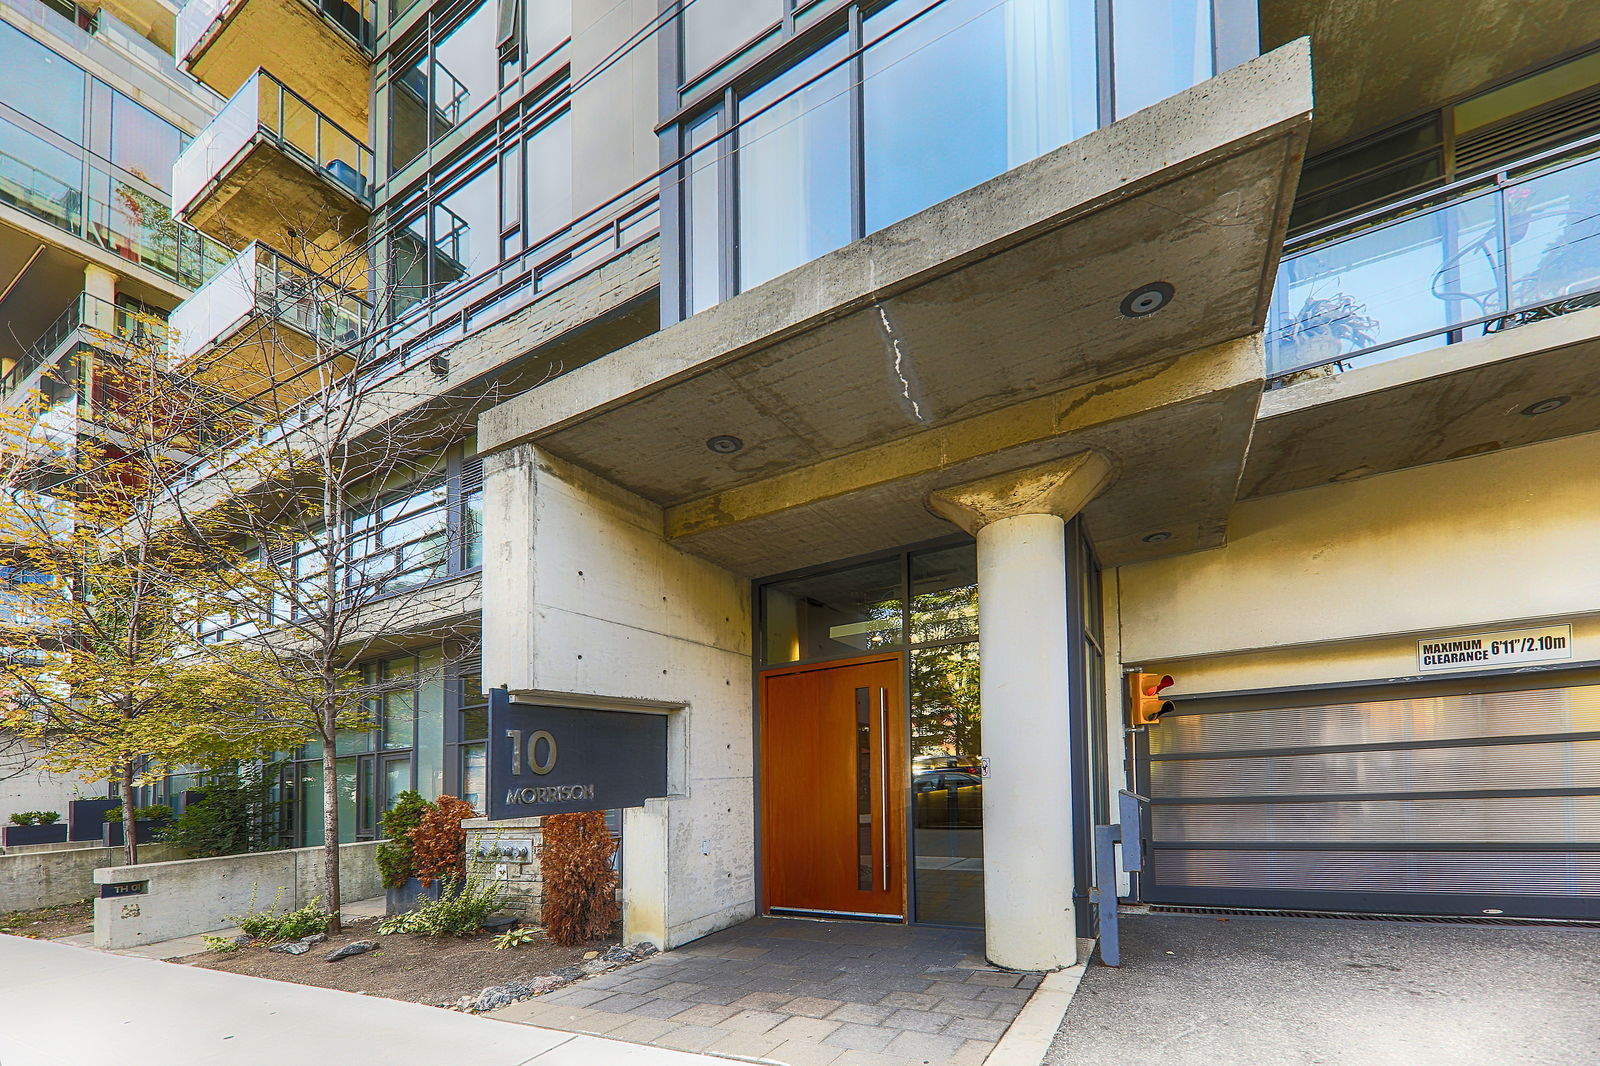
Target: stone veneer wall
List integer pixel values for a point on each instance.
(517, 863)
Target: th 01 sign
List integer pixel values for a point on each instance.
(560, 760)
(1503, 647)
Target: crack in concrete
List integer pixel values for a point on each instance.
(899, 363)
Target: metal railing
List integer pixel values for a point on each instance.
(1473, 257)
(265, 108)
(261, 283)
(85, 312)
(196, 18)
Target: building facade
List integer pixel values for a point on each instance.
(93, 114)
(883, 383)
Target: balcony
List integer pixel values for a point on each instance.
(272, 168)
(87, 322)
(272, 317)
(325, 44)
(1471, 259)
(1459, 322)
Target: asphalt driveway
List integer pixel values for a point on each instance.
(1197, 991)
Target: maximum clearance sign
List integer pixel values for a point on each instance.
(560, 760)
(1503, 647)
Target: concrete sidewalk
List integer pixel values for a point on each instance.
(1196, 991)
(69, 1006)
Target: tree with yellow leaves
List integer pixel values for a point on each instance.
(105, 582)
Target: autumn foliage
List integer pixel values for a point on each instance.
(580, 887)
(439, 844)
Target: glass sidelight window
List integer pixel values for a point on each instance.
(924, 604)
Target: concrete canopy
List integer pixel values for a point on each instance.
(935, 333)
(1446, 403)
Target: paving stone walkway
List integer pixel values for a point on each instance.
(803, 993)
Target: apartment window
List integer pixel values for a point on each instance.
(403, 540)
(906, 105)
(40, 178)
(41, 84)
(465, 68)
(511, 191)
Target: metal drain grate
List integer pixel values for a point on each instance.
(1423, 919)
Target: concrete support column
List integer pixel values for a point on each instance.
(1024, 688)
(101, 285)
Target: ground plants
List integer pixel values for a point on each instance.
(439, 843)
(273, 925)
(395, 854)
(235, 813)
(459, 911)
(515, 938)
(580, 886)
(36, 818)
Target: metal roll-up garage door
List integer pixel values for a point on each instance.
(1414, 799)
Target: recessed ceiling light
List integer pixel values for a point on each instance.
(1157, 538)
(1545, 406)
(1147, 299)
(723, 444)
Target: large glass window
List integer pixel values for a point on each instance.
(466, 70)
(40, 178)
(142, 143)
(712, 29)
(1161, 47)
(408, 109)
(958, 95)
(794, 167)
(833, 615)
(549, 176)
(913, 103)
(466, 229)
(42, 85)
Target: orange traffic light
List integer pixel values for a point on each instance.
(1145, 704)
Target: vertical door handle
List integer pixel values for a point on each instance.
(883, 791)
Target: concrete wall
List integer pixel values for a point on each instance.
(199, 895)
(594, 608)
(49, 875)
(33, 789)
(1338, 582)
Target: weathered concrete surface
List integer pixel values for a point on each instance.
(1502, 538)
(62, 873)
(1004, 291)
(594, 608)
(296, 44)
(1452, 401)
(198, 895)
(155, 1012)
(1174, 433)
(1378, 62)
(1195, 991)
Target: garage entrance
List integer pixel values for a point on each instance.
(1468, 797)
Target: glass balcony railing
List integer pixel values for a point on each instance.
(196, 18)
(1475, 257)
(85, 318)
(260, 283)
(263, 107)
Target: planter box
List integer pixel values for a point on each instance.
(147, 829)
(13, 835)
(86, 819)
(403, 900)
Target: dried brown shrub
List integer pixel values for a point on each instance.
(580, 887)
(439, 844)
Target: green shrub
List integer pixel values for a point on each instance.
(459, 911)
(515, 938)
(220, 943)
(22, 818)
(396, 860)
(235, 813)
(155, 812)
(46, 817)
(272, 925)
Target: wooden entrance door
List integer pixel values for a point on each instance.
(833, 788)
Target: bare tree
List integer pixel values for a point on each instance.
(340, 511)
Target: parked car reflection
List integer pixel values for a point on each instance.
(948, 798)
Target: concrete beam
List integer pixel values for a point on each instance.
(1028, 269)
